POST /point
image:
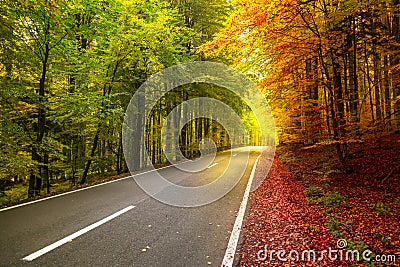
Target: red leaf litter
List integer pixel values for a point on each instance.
(282, 227)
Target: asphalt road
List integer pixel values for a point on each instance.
(147, 233)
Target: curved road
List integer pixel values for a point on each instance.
(144, 233)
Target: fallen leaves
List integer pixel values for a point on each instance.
(145, 249)
(281, 218)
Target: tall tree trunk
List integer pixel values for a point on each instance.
(395, 65)
(339, 121)
(367, 80)
(120, 159)
(312, 99)
(377, 83)
(106, 93)
(386, 86)
(386, 76)
(353, 79)
(35, 180)
(46, 172)
(91, 156)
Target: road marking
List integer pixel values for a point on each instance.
(69, 238)
(235, 155)
(93, 186)
(233, 240)
(85, 188)
(209, 167)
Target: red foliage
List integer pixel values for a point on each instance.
(280, 216)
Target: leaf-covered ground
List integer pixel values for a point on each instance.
(307, 202)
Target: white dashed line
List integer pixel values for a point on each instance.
(209, 167)
(69, 238)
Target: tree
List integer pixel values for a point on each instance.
(40, 26)
(314, 59)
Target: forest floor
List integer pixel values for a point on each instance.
(308, 203)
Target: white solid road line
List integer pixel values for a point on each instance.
(85, 188)
(89, 187)
(233, 240)
(69, 238)
(209, 167)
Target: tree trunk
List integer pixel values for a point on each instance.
(35, 180)
(377, 83)
(106, 92)
(367, 80)
(339, 121)
(396, 62)
(353, 79)
(386, 86)
(92, 154)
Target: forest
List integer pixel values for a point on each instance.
(330, 71)
(328, 68)
(68, 71)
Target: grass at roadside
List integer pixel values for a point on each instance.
(17, 194)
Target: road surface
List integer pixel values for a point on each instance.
(117, 224)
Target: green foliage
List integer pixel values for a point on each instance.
(316, 195)
(13, 195)
(331, 200)
(383, 238)
(327, 211)
(333, 225)
(357, 245)
(205, 17)
(337, 227)
(326, 170)
(95, 55)
(288, 158)
(17, 193)
(382, 209)
(313, 194)
(325, 175)
(360, 246)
